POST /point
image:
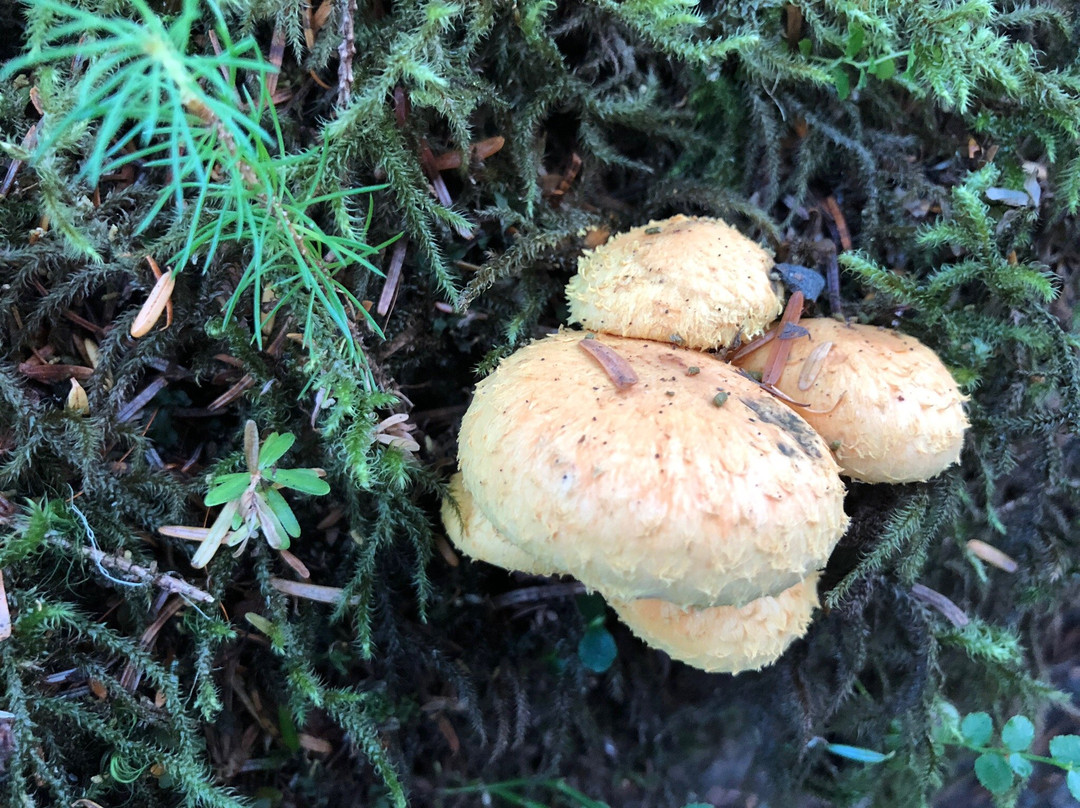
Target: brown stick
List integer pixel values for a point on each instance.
(131, 675)
(393, 278)
(616, 367)
(837, 216)
(277, 54)
(140, 574)
(346, 52)
(136, 405)
(533, 594)
(953, 613)
(774, 368)
(315, 592)
(991, 555)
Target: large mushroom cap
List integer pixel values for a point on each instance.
(724, 639)
(474, 535)
(883, 401)
(718, 639)
(692, 484)
(699, 282)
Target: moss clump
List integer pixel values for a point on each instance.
(271, 155)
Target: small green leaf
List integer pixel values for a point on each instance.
(265, 626)
(977, 729)
(1072, 780)
(855, 40)
(1021, 765)
(1066, 749)
(274, 447)
(885, 69)
(306, 481)
(239, 534)
(857, 753)
(226, 487)
(283, 512)
(1018, 733)
(597, 649)
(219, 532)
(842, 83)
(805, 47)
(994, 773)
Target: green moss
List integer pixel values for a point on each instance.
(913, 117)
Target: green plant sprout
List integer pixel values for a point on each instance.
(880, 66)
(1000, 765)
(151, 103)
(596, 648)
(252, 502)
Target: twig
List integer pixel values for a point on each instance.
(393, 278)
(277, 53)
(320, 594)
(837, 216)
(346, 52)
(532, 594)
(131, 675)
(774, 366)
(991, 555)
(140, 574)
(616, 366)
(55, 373)
(953, 613)
(232, 393)
(135, 406)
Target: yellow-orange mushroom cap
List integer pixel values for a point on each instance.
(884, 402)
(724, 639)
(694, 281)
(692, 484)
(474, 535)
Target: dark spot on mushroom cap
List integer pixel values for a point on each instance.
(775, 413)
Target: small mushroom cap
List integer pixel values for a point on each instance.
(692, 484)
(474, 535)
(697, 282)
(884, 402)
(724, 639)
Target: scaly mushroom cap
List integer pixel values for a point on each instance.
(696, 282)
(887, 406)
(474, 535)
(718, 639)
(724, 639)
(692, 485)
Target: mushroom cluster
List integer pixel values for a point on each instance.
(698, 502)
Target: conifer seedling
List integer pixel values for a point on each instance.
(252, 501)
